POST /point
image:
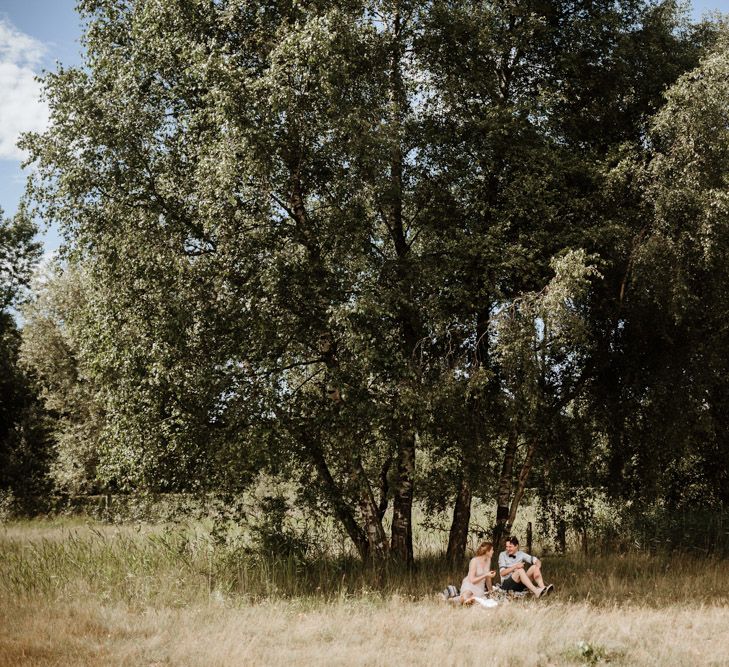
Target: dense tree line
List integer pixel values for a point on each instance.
(25, 448)
(391, 250)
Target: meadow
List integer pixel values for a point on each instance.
(82, 592)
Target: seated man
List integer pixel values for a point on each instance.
(513, 575)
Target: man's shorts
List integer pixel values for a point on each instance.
(511, 585)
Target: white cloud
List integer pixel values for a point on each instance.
(21, 109)
(17, 47)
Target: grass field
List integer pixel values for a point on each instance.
(81, 593)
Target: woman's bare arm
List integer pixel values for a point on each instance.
(473, 577)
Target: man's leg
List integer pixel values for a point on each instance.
(535, 574)
(522, 577)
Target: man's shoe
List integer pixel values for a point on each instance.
(548, 590)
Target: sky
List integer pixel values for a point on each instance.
(34, 35)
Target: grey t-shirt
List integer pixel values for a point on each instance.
(508, 561)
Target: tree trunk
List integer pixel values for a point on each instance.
(504, 492)
(458, 537)
(526, 468)
(402, 531)
(376, 538)
(402, 505)
(371, 542)
(334, 496)
(384, 487)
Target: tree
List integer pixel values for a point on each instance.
(239, 175)
(298, 221)
(529, 104)
(542, 341)
(24, 451)
(19, 252)
(51, 349)
(671, 348)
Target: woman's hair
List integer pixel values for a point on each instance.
(484, 548)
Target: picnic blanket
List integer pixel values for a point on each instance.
(486, 602)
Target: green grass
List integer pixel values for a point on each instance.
(185, 564)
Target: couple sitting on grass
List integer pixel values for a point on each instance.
(515, 577)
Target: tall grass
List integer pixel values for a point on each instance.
(187, 564)
(86, 594)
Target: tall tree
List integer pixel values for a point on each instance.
(527, 104)
(670, 349)
(298, 221)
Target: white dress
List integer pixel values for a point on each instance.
(479, 589)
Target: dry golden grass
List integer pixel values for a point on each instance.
(394, 632)
(86, 594)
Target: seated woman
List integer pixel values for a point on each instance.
(480, 575)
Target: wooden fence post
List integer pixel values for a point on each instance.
(562, 536)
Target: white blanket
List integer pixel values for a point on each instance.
(485, 602)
